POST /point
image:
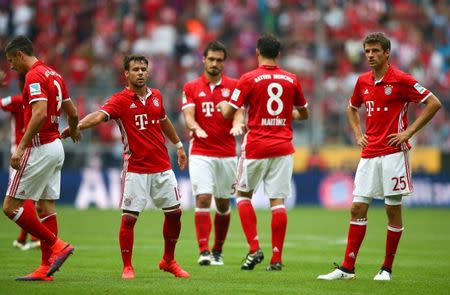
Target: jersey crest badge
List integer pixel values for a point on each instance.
(156, 102)
(35, 89)
(225, 92)
(388, 89)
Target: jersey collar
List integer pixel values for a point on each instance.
(206, 81)
(36, 64)
(132, 94)
(269, 67)
(388, 77)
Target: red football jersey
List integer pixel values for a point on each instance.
(198, 94)
(270, 95)
(14, 105)
(145, 149)
(43, 83)
(386, 103)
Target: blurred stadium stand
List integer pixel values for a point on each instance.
(85, 40)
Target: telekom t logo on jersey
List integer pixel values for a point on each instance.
(370, 108)
(208, 108)
(141, 121)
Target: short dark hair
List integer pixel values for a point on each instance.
(378, 37)
(133, 57)
(216, 46)
(20, 43)
(269, 46)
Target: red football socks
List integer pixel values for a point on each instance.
(27, 219)
(394, 234)
(221, 225)
(279, 224)
(202, 228)
(356, 234)
(126, 237)
(51, 223)
(171, 232)
(248, 221)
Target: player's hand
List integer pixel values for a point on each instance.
(65, 133)
(16, 158)
(182, 158)
(75, 134)
(396, 139)
(237, 129)
(362, 140)
(200, 133)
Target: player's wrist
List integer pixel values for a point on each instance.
(179, 145)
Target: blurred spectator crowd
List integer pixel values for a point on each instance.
(85, 40)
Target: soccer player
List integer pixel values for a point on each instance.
(383, 171)
(270, 95)
(212, 156)
(14, 105)
(39, 156)
(141, 117)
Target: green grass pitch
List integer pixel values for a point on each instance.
(315, 239)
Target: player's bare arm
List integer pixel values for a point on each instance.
(169, 131)
(227, 110)
(72, 118)
(355, 124)
(91, 120)
(238, 123)
(300, 114)
(191, 123)
(38, 116)
(432, 105)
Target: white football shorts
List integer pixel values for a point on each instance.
(39, 177)
(275, 173)
(161, 187)
(383, 176)
(212, 175)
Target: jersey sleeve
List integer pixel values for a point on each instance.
(111, 108)
(240, 93)
(64, 92)
(35, 86)
(12, 104)
(299, 99)
(413, 91)
(187, 100)
(162, 114)
(356, 99)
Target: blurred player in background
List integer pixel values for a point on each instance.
(39, 156)
(212, 155)
(270, 95)
(141, 117)
(14, 105)
(384, 169)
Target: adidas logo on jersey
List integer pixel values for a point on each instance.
(366, 91)
(202, 94)
(133, 106)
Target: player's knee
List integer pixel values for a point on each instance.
(358, 211)
(203, 201)
(9, 211)
(223, 208)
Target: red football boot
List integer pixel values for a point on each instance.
(61, 251)
(39, 274)
(174, 268)
(128, 273)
